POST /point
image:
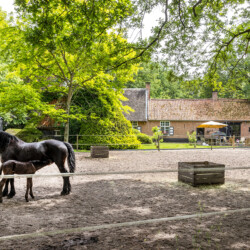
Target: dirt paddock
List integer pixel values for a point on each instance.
(97, 200)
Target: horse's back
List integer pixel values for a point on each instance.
(55, 150)
(16, 167)
(43, 150)
(55, 146)
(46, 144)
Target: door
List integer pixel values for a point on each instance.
(200, 133)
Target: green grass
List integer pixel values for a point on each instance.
(169, 145)
(173, 146)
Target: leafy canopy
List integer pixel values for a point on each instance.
(193, 36)
(69, 45)
(19, 102)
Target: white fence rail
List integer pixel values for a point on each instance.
(120, 172)
(120, 225)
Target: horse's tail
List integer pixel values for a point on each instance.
(71, 158)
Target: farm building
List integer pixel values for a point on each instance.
(176, 117)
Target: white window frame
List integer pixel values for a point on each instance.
(134, 124)
(165, 127)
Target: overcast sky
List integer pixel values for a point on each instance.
(7, 5)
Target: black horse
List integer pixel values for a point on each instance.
(12, 148)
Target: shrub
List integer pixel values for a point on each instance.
(27, 134)
(143, 138)
(135, 131)
(112, 141)
(114, 134)
(192, 138)
(156, 135)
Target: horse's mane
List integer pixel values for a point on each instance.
(5, 139)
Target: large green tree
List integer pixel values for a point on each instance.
(20, 102)
(204, 41)
(196, 33)
(65, 45)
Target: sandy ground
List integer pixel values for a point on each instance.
(97, 200)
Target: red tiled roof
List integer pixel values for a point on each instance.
(199, 109)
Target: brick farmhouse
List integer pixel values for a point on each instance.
(176, 117)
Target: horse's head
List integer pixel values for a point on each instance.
(5, 140)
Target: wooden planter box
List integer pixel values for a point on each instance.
(99, 151)
(188, 173)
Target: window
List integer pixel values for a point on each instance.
(165, 127)
(134, 124)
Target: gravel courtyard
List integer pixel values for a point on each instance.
(97, 200)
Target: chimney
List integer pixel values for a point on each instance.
(214, 95)
(148, 88)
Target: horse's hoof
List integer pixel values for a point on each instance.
(64, 192)
(5, 194)
(10, 196)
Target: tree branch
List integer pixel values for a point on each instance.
(199, 2)
(240, 57)
(150, 44)
(59, 66)
(45, 68)
(179, 8)
(65, 60)
(226, 44)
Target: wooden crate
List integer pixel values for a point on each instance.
(99, 151)
(187, 173)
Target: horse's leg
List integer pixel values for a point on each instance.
(31, 191)
(2, 182)
(27, 190)
(6, 188)
(66, 183)
(12, 189)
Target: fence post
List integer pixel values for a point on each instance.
(158, 142)
(233, 141)
(77, 142)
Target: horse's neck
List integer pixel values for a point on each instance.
(18, 145)
(12, 151)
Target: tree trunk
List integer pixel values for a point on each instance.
(66, 131)
(68, 104)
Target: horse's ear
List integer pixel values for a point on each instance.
(11, 141)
